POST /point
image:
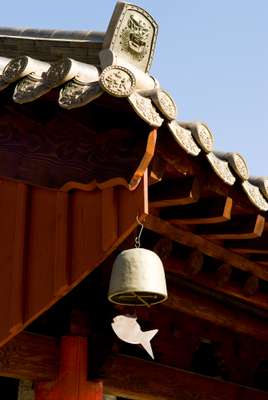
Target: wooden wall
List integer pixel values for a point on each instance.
(50, 240)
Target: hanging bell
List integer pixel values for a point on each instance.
(138, 279)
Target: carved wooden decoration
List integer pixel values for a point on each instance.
(46, 147)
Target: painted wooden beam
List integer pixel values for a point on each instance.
(29, 356)
(137, 379)
(206, 211)
(204, 245)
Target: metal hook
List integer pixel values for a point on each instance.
(138, 237)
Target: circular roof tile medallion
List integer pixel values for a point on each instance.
(255, 196)
(118, 81)
(145, 110)
(57, 73)
(221, 168)
(239, 165)
(204, 137)
(14, 69)
(262, 183)
(184, 138)
(165, 104)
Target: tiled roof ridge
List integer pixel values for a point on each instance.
(53, 34)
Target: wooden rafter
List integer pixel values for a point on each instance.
(206, 211)
(243, 228)
(173, 193)
(204, 245)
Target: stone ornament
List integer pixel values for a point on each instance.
(255, 196)
(221, 168)
(237, 162)
(184, 138)
(29, 89)
(201, 134)
(145, 110)
(58, 73)
(262, 183)
(15, 69)
(132, 34)
(165, 104)
(75, 94)
(117, 81)
(20, 67)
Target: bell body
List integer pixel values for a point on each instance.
(137, 278)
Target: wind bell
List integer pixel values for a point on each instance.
(137, 279)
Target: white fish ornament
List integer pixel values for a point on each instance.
(128, 330)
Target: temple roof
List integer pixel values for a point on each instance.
(90, 147)
(59, 62)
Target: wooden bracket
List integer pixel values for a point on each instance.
(206, 211)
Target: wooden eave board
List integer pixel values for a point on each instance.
(51, 240)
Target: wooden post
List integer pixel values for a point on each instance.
(72, 383)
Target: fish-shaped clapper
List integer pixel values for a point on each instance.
(127, 329)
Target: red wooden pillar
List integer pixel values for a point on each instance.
(72, 381)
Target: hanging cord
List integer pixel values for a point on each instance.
(138, 237)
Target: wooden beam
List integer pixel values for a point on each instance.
(206, 211)
(241, 228)
(134, 378)
(205, 246)
(227, 315)
(174, 192)
(30, 356)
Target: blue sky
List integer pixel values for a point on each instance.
(212, 56)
